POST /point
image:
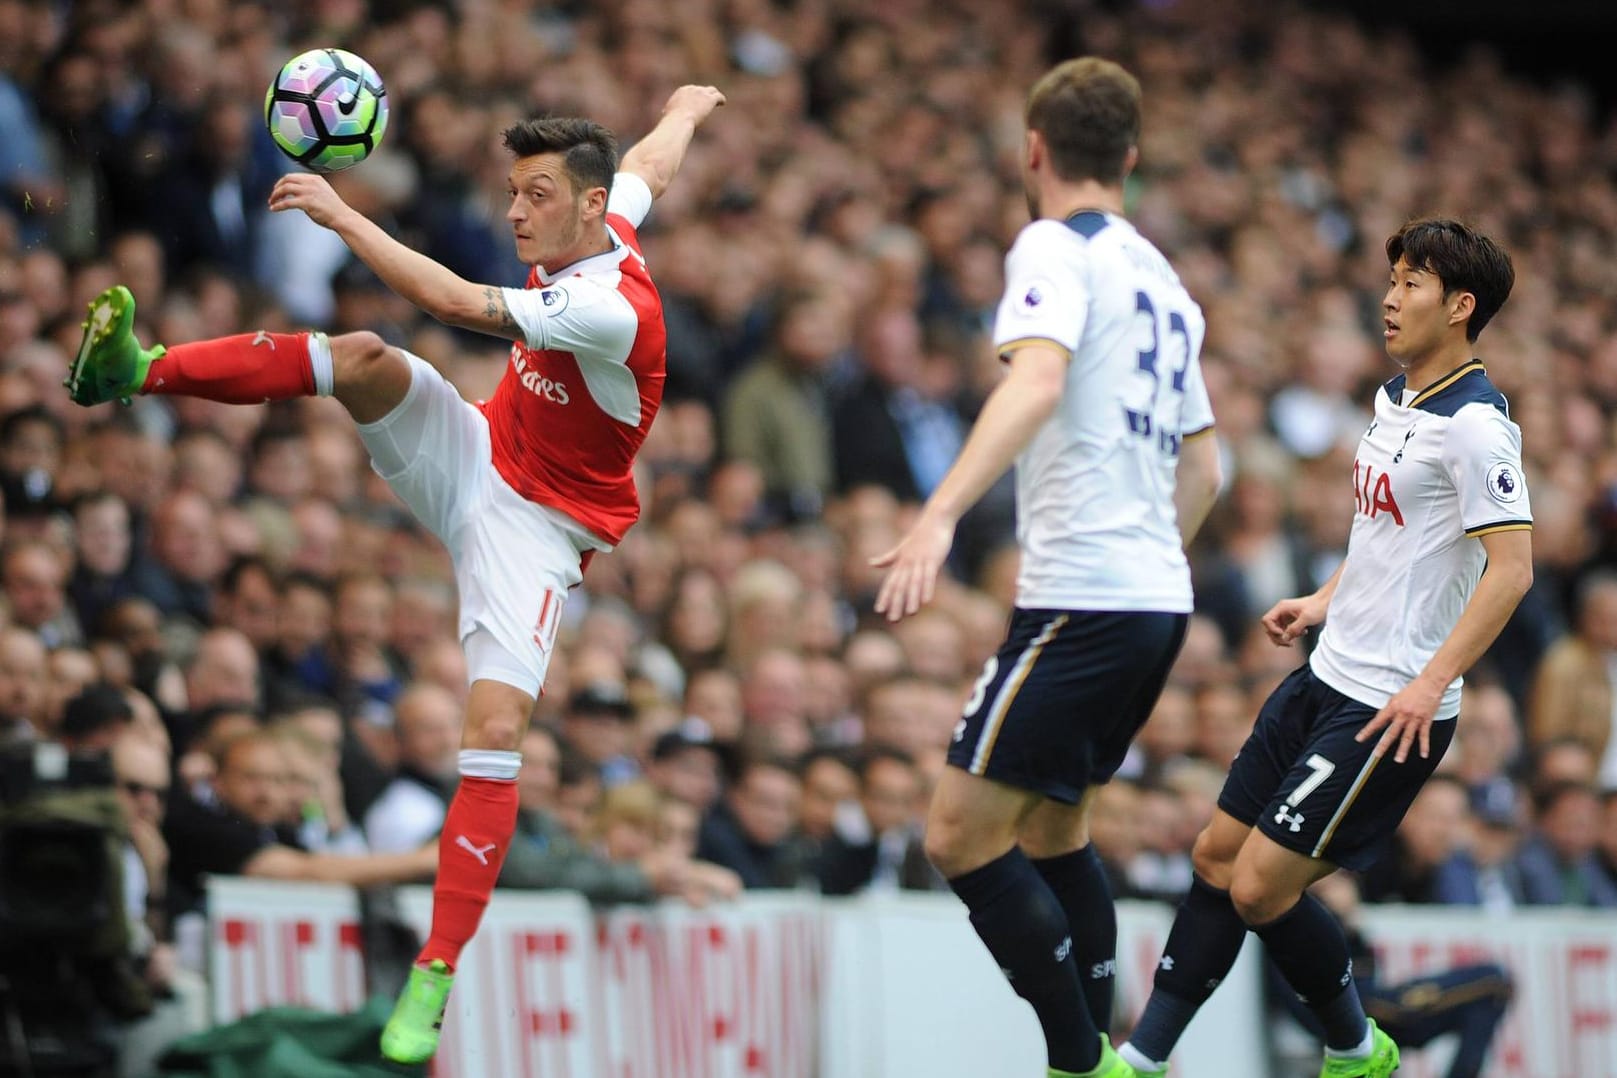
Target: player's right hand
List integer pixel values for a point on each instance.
(912, 567)
(310, 193)
(1290, 618)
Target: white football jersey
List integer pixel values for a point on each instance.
(1094, 490)
(1433, 473)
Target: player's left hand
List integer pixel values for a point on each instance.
(310, 193)
(1406, 718)
(912, 567)
(697, 102)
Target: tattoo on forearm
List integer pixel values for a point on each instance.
(496, 309)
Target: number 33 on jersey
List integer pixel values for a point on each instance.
(1095, 487)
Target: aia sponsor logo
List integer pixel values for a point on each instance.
(1372, 493)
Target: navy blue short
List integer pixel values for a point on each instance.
(1056, 707)
(1303, 779)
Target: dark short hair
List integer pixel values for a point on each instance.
(1088, 111)
(1462, 258)
(99, 706)
(14, 422)
(589, 151)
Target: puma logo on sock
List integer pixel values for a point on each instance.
(479, 852)
(264, 338)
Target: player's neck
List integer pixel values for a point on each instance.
(1060, 201)
(1433, 366)
(588, 246)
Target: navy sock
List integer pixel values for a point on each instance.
(1203, 944)
(1308, 945)
(1021, 923)
(1079, 883)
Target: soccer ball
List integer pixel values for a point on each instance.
(326, 110)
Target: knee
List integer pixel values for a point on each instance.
(952, 844)
(946, 848)
(1214, 865)
(498, 728)
(1257, 900)
(354, 355)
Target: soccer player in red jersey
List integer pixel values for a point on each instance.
(521, 488)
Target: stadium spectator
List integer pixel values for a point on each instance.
(1558, 862)
(22, 685)
(751, 831)
(545, 855)
(879, 849)
(426, 721)
(597, 723)
(1572, 694)
(241, 830)
(34, 581)
(1431, 837)
(686, 765)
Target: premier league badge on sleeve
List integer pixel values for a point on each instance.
(1504, 483)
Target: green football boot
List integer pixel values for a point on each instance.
(1111, 1065)
(411, 1035)
(1382, 1062)
(111, 364)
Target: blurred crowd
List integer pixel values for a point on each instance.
(231, 601)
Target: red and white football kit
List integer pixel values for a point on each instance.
(522, 487)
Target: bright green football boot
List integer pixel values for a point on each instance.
(1382, 1062)
(411, 1035)
(1111, 1065)
(111, 364)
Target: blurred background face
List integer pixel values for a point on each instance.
(1435, 825)
(677, 826)
(141, 771)
(428, 721)
(765, 804)
(303, 621)
(827, 785)
(691, 775)
(103, 529)
(1571, 824)
(255, 781)
(540, 777)
(33, 579)
(22, 675)
(891, 794)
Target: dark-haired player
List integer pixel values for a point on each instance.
(1439, 556)
(521, 488)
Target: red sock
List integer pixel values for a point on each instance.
(477, 832)
(249, 368)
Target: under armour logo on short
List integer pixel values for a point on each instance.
(1166, 962)
(264, 338)
(479, 852)
(1286, 816)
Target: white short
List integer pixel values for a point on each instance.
(515, 560)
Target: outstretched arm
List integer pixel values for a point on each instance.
(432, 287)
(1013, 414)
(657, 157)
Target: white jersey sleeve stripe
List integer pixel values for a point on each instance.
(1008, 347)
(1502, 526)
